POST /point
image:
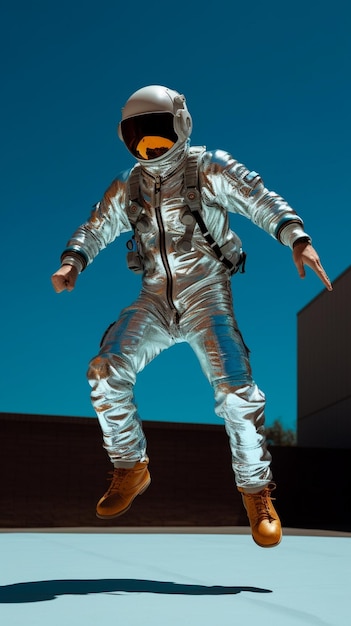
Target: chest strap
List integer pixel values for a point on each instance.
(193, 198)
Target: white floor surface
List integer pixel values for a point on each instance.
(172, 579)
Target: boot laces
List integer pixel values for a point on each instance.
(262, 504)
(117, 477)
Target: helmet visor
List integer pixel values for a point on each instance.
(149, 136)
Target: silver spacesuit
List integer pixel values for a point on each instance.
(186, 289)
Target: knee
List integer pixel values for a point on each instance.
(108, 367)
(244, 390)
(238, 398)
(99, 367)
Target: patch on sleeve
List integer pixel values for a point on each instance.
(251, 181)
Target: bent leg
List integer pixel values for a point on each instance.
(242, 408)
(129, 344)
(214, 336)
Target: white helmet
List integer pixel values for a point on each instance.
(155, 122)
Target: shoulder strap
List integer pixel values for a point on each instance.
(133, 206)
(134, 210)
(192, 166)
(134, 184)
(193, 198)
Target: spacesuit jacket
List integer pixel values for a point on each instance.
(226, 186)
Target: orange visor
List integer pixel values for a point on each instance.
(152, 147)
(150, 135)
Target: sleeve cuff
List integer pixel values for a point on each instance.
(291, 233)
(73, 259)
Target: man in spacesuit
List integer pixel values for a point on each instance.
(176, 202)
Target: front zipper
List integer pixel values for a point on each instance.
(169, 290)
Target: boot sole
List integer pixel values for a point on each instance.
(140, 493)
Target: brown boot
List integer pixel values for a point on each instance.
(125, 485)
(264, 521)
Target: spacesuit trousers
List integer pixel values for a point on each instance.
(208, 325)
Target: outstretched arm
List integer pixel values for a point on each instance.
(107, 220)
(305, 254)
(64, 278)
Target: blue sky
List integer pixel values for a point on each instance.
(269, 82)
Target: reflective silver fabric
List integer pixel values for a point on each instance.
(143, 330)
(185, 297)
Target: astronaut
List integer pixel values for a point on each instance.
(176, 202)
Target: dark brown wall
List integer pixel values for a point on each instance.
(324, 365)
(54, 469)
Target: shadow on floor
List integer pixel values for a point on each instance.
(39, 591)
